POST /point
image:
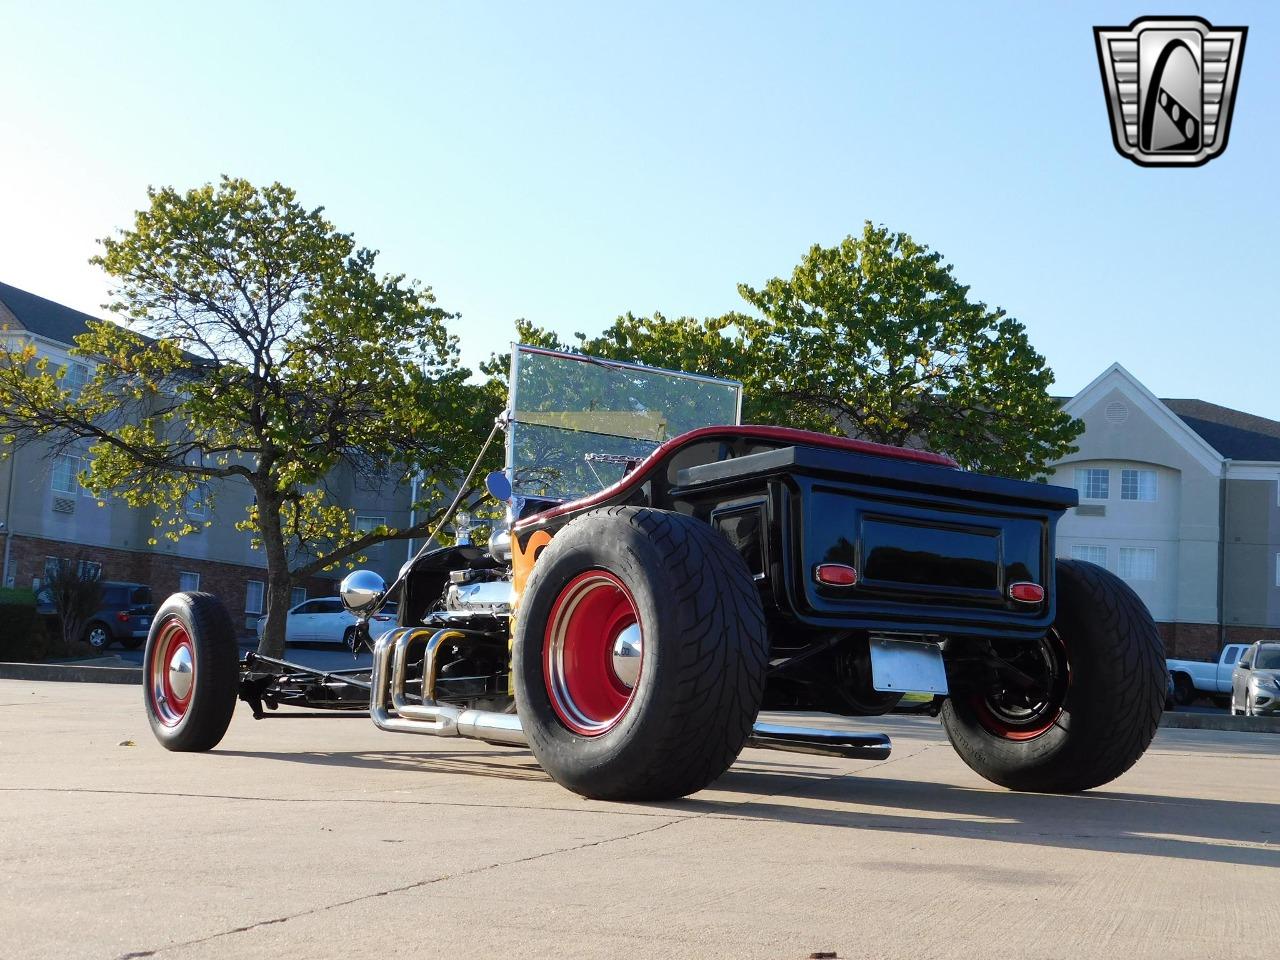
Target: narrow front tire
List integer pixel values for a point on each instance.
(191, 672)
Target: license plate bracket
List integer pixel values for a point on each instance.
(907, 666)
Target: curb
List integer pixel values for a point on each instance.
(68, 673)
(1211, 721)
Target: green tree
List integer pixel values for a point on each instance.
(873, 338)
(267, 351)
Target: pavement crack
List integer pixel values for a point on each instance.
(403, 888)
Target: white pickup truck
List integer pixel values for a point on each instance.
(1196, 678)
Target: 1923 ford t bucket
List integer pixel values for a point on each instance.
(664, 573)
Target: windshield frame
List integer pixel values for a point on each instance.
(622, 366)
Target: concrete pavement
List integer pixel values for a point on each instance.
(319, 836)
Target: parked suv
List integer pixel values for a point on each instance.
(125, 615)
(1255, 682)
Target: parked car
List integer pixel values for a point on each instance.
(1197, 678)
(324, 620)
(124, 616)
(1255, 682)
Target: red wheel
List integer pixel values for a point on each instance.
(593, 653)
(190, 672)
(1021, 715)
(639, 655)
(1075, 709)
(173, 672)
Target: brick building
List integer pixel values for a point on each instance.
(47, 515)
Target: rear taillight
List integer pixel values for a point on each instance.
(123, 616)
(1026, 592)
(835, 574)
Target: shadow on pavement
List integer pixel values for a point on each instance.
(1185, 828)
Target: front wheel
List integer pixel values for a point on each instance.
(191, 672)
(639, 656)
(1099, 689)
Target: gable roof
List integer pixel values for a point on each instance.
(43, 317)
(1181, 432)
(1233, 433)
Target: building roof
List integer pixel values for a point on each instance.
(1233, 433)
(43, 317)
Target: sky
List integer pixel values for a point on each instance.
(566, 163)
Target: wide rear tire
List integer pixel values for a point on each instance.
(1107, 705)
(191, 672)
(639, 655)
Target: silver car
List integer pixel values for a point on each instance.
(1255, 682)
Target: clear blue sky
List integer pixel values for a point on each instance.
(571, 163)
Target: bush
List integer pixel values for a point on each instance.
(21, 633)
(75, 584)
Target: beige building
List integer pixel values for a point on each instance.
(1180, 498)
(47, 515)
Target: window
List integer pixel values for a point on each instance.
(188, 582)
(253, 591)
(1089, 553)
(65, 468)
(1232, 653)
(1278, 569)
(306, 608)
(197, 502)
(366, 524)
(1094, 483)
(1138, 485)
(297, 595)
(73, 378)
(51, 564)
(1137, 563)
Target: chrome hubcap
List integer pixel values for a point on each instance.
(180, 672)
(626, 655)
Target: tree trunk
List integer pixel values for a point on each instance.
(278, 587)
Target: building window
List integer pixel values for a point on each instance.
(188, 582)
(83, 567)
(368, 524)
(253, 593)
(1278, 569)
(296, 596)
(65, 468)
(1137, 563)
(1089, 553)
(197, 501)
(1094, 483)
(74, 377)
(1138, 485)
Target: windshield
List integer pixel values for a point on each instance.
(1268, 659)
(578, 423)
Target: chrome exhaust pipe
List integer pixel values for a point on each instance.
(387, 694)
(827, 743)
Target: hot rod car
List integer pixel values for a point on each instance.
(663, 573)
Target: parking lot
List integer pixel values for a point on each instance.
(317, 836)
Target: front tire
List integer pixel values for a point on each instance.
(191, 672)
(639, 655)
(1097, 716)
